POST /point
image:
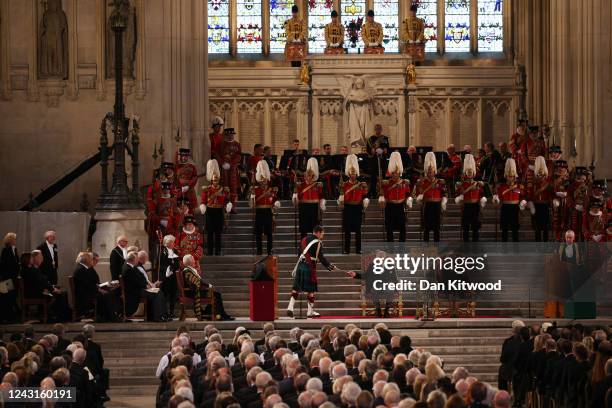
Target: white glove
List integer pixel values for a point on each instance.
(228, 207)
(322, 204)
(294, 199)
(164, 223)
(419, 198)
(381, 200)
(168, 272)
(373, 44)
(226, 166)
(409, 201)
(531, 167)
(522, 205)
(531, 207)
(597, 237)
(483, 202)
(184, 189)
(444, 201)
(231, 359)
(556, 203)
(495, 199)
(366, 203)
(341, 199)
(210, 285)
(561, 194)
(579, 207)
(459, 199)
(252, 200)
(277, 204)
(335, 45)
(202, 208)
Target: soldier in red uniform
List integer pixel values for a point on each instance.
(599, 191)
(471, 194)
(258, 155)
(451, 174)
(540, 193)
(595, 222)
(308, 197)
(216, 137)
(554, 154)
(511, 196)
(578, 195)
(533, 147)
(163, 216)
(230, 155)
(396, 194)
(263, 198)
(560, 200)
(352, 201)
(186, 177)
(190, 240)
(215, 200)
(183, 210)
(516, 142)
(431, 191)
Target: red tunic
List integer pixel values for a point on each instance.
(510, 194)
(593, 225)
(455, 168)
(230, 154)
(252, 167)
(191, 243)
(309, 193)
(540, 191)
(396, 191)
(354, 193)
(471, 190)
(215, 144)
(432, 189)
(187, 175)
(265, 197)
(215, 196)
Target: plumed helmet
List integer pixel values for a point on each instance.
(212, 170)
(510, 169)
(262, 171)
(312, 166)
(395, 163)
(218, 121)
(352, 165)
(469, 164)
(430, 162)
(540, 166)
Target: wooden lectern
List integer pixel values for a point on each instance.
(263, 289)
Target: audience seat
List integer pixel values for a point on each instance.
(25, 302)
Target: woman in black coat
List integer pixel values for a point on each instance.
(169, 264)
(9, 270)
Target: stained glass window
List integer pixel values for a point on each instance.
(280, 11)
(248, 21)
(218, 26)
(351, 11)
(428, 10)
(457, 30)
(490, 26)
(387, 12)
(319, 14)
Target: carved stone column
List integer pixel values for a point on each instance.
(5, 61)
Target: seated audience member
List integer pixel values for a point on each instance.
(88, 292)
(138, 287)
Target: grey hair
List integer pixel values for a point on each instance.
(188, 259)
(168, 239)
(131, 257)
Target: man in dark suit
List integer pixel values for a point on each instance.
(136, 285)
(9, 270)
(95, 362)
(59, 330)
(88, 291)
(37, 285)
(50, 259)
(79, 378)
(117, 257)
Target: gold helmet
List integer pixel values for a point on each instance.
(262, 173)
(352, 165)
(212, 170)
(313, 167)
(395, 163)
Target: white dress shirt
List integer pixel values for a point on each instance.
(51, 251)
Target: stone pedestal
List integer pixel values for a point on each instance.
(111, 224)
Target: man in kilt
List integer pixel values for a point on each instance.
(353, 200)
(305, 272)
(470, 193)
(263, 198)
(215, 200)
(308, 197)
(511, 196)
(431, 191)
(540, 192)
(395, 195)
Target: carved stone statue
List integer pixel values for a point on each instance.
(53, 42)
(129, 43)
(358, 110)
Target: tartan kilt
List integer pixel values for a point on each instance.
(302, 282)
